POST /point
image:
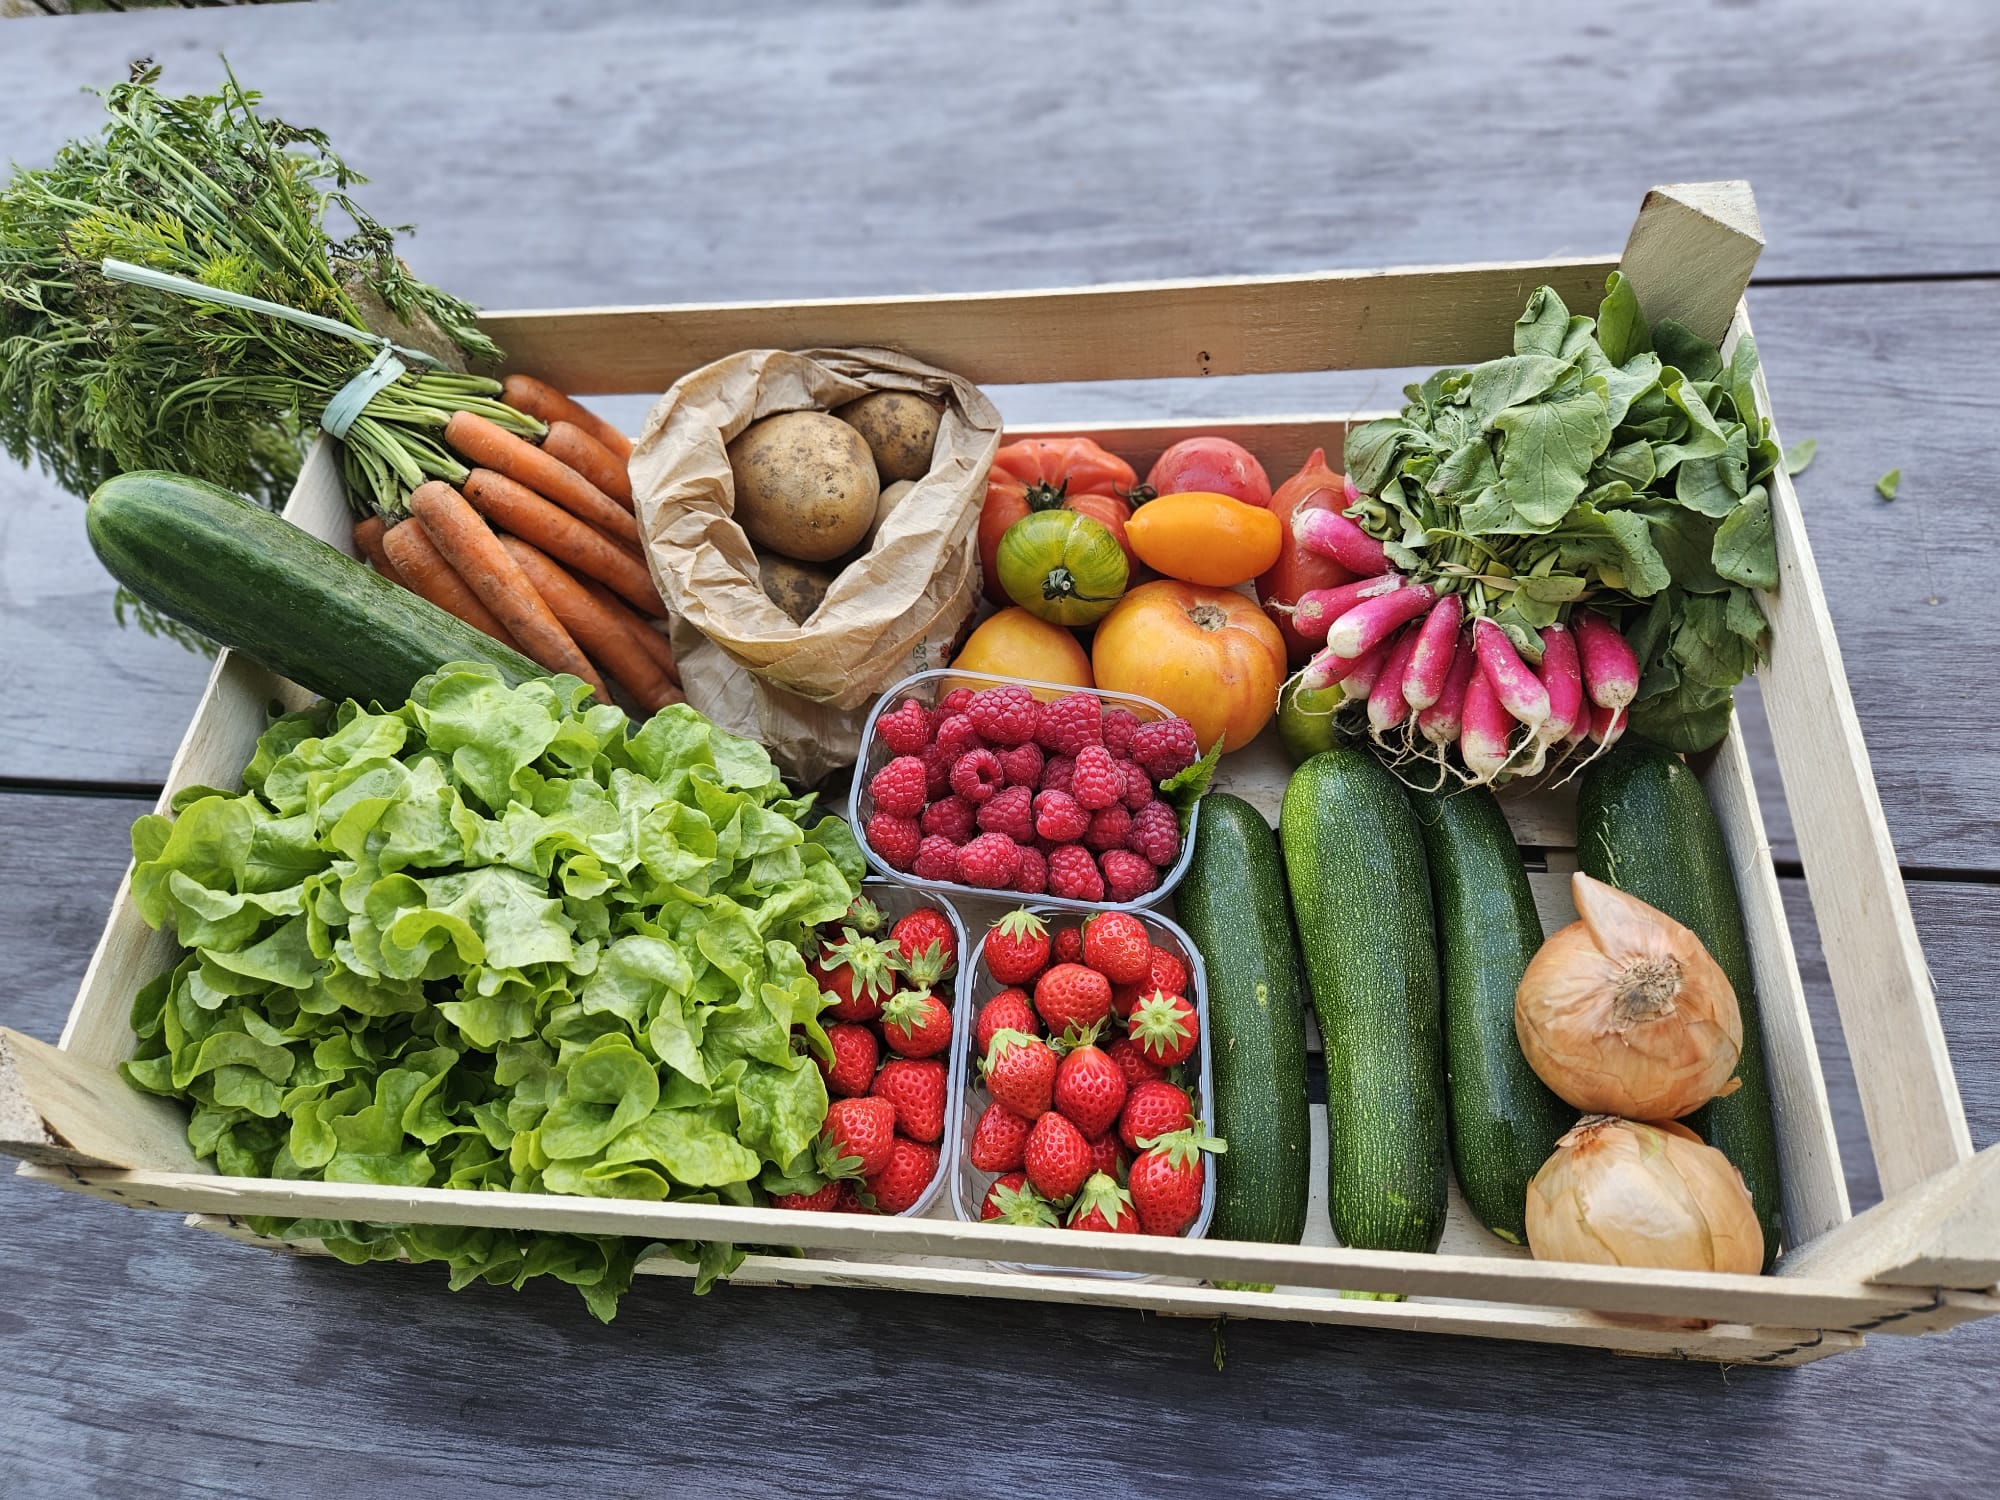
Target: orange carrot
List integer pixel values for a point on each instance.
(655, 643)
(476, 555)
(583, 549)
(596, 629)
(570, 444)
(526, 394)
(422, 569)
(368, 542)
(488, 445)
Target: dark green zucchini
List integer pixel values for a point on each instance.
(1504, 1120)
(1232, 903)
(1362, 897)
(1643, 824)
(254, 582)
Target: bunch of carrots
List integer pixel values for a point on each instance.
(538, 547)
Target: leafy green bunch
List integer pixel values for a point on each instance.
(496, 939)
(1602, 461)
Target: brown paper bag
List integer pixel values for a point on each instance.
(803, 690)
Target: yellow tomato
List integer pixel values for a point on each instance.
(1211, 655)
(1016, 644)
(1205, 538)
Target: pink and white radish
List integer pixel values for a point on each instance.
(1331, 534)
(1387, 707)
(1359, 682)
(1436, 650)
(1517, 688)
(1607, 724)
(1562, 679)
(1610, 669)
(1375, 620)
(1440, 722)
(1316, 609)
(1482, 740)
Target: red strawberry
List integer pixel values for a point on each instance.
(1031, 876)
(976, 775)
(922, 930)
(1097, 781)
(857, 1136)
(952, 816)
(1066, 947)
(908, 729)
(937, 859)
(1004, 715)
(1070, 997)
(1107, 1155)
(956, 736)
(1109, 827)
(823, 1200)
(1164, 1027)
(1155, 835)
(954, 702)
(1011, 811)
(1151, 1109)
(1165, 972)
(1056, 1157)
(1020, 1072)
(998, 1140)
(894, 838)
(1073, 874)
(1017, 948)
(1127, 876)
(1011, 1201)
(991, 862)
(1071, 722)
(1115, 944)
(1138, 785)
(858, 973)
(1104, 1206)
(1058, 818)
(916, 1087)
(1089, 1089)
(899, 1185)
(854, 1053)
(849, 1201)
(899, 786)
(1119, 725)
(1057, 773)
(915, 1024)
(1007, 1011)
(1166, 1181)
(1022, 765)
(1134, 1064)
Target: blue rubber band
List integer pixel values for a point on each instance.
(352, 399)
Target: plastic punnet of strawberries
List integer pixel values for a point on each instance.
(1087, 1058)
(996, 790)
(886, 1080)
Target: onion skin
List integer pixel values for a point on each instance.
(1623, 1012)
(1622, 1193)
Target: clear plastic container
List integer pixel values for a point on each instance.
(928, 688)
(968, 1183)
(896, 901)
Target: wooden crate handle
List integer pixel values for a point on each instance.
(57, 1110)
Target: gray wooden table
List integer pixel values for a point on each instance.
(560, 154)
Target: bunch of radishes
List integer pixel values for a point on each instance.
(1432, 680)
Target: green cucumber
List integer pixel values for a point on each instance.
(1504, 1120)
(1232, 903)
(1355, 859)
(1643, 824)
(254, 582)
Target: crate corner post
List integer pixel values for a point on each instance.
(57, 1110)
(1691, 251)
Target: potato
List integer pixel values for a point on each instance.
(892, 496)
(805, 485)
(796, 588)
(900, 428)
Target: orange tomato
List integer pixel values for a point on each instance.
(1014, 643)
(1210, 654)
(1201, 537)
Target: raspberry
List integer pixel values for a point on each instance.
(1005, 715)
(1164, 747)
(1032, 878)
(1155, 834)
(1118, 727)
(895, 839)
(1128, 877)
(937, 859)
(1073, 874)
(899, 787)
(955, 736)
(937, 771)
(1098, 782)
(951, 816)
(1070, 723)
(975, 775)
(907, 730)
(1108, 828)
(1138, 785)
(1057, 773)
(954, 702)
(1058, 817)
(1022, 765)
(1010, 811)
(991, 862)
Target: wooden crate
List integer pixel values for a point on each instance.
(1925, 1259)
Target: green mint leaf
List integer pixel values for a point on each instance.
(1800, 455)
(1887, 485)
(1184, 788)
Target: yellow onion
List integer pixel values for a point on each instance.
(1619, 1193)
(1624, 1012)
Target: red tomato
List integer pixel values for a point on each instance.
(1296, 569)
(1213, 464)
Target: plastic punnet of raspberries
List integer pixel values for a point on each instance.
(895, 839)
(1164, 747)
(1074, 875)
(899, 786)
(1097, 781)
(991, 861)
(1010, 811)
(1004, 715)
(1128, 876)
(1155, 834)
(1070, 723)
(908, 729)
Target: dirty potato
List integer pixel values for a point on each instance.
(900, 428)
(796, 588)
(892, 496)
(805, 485)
